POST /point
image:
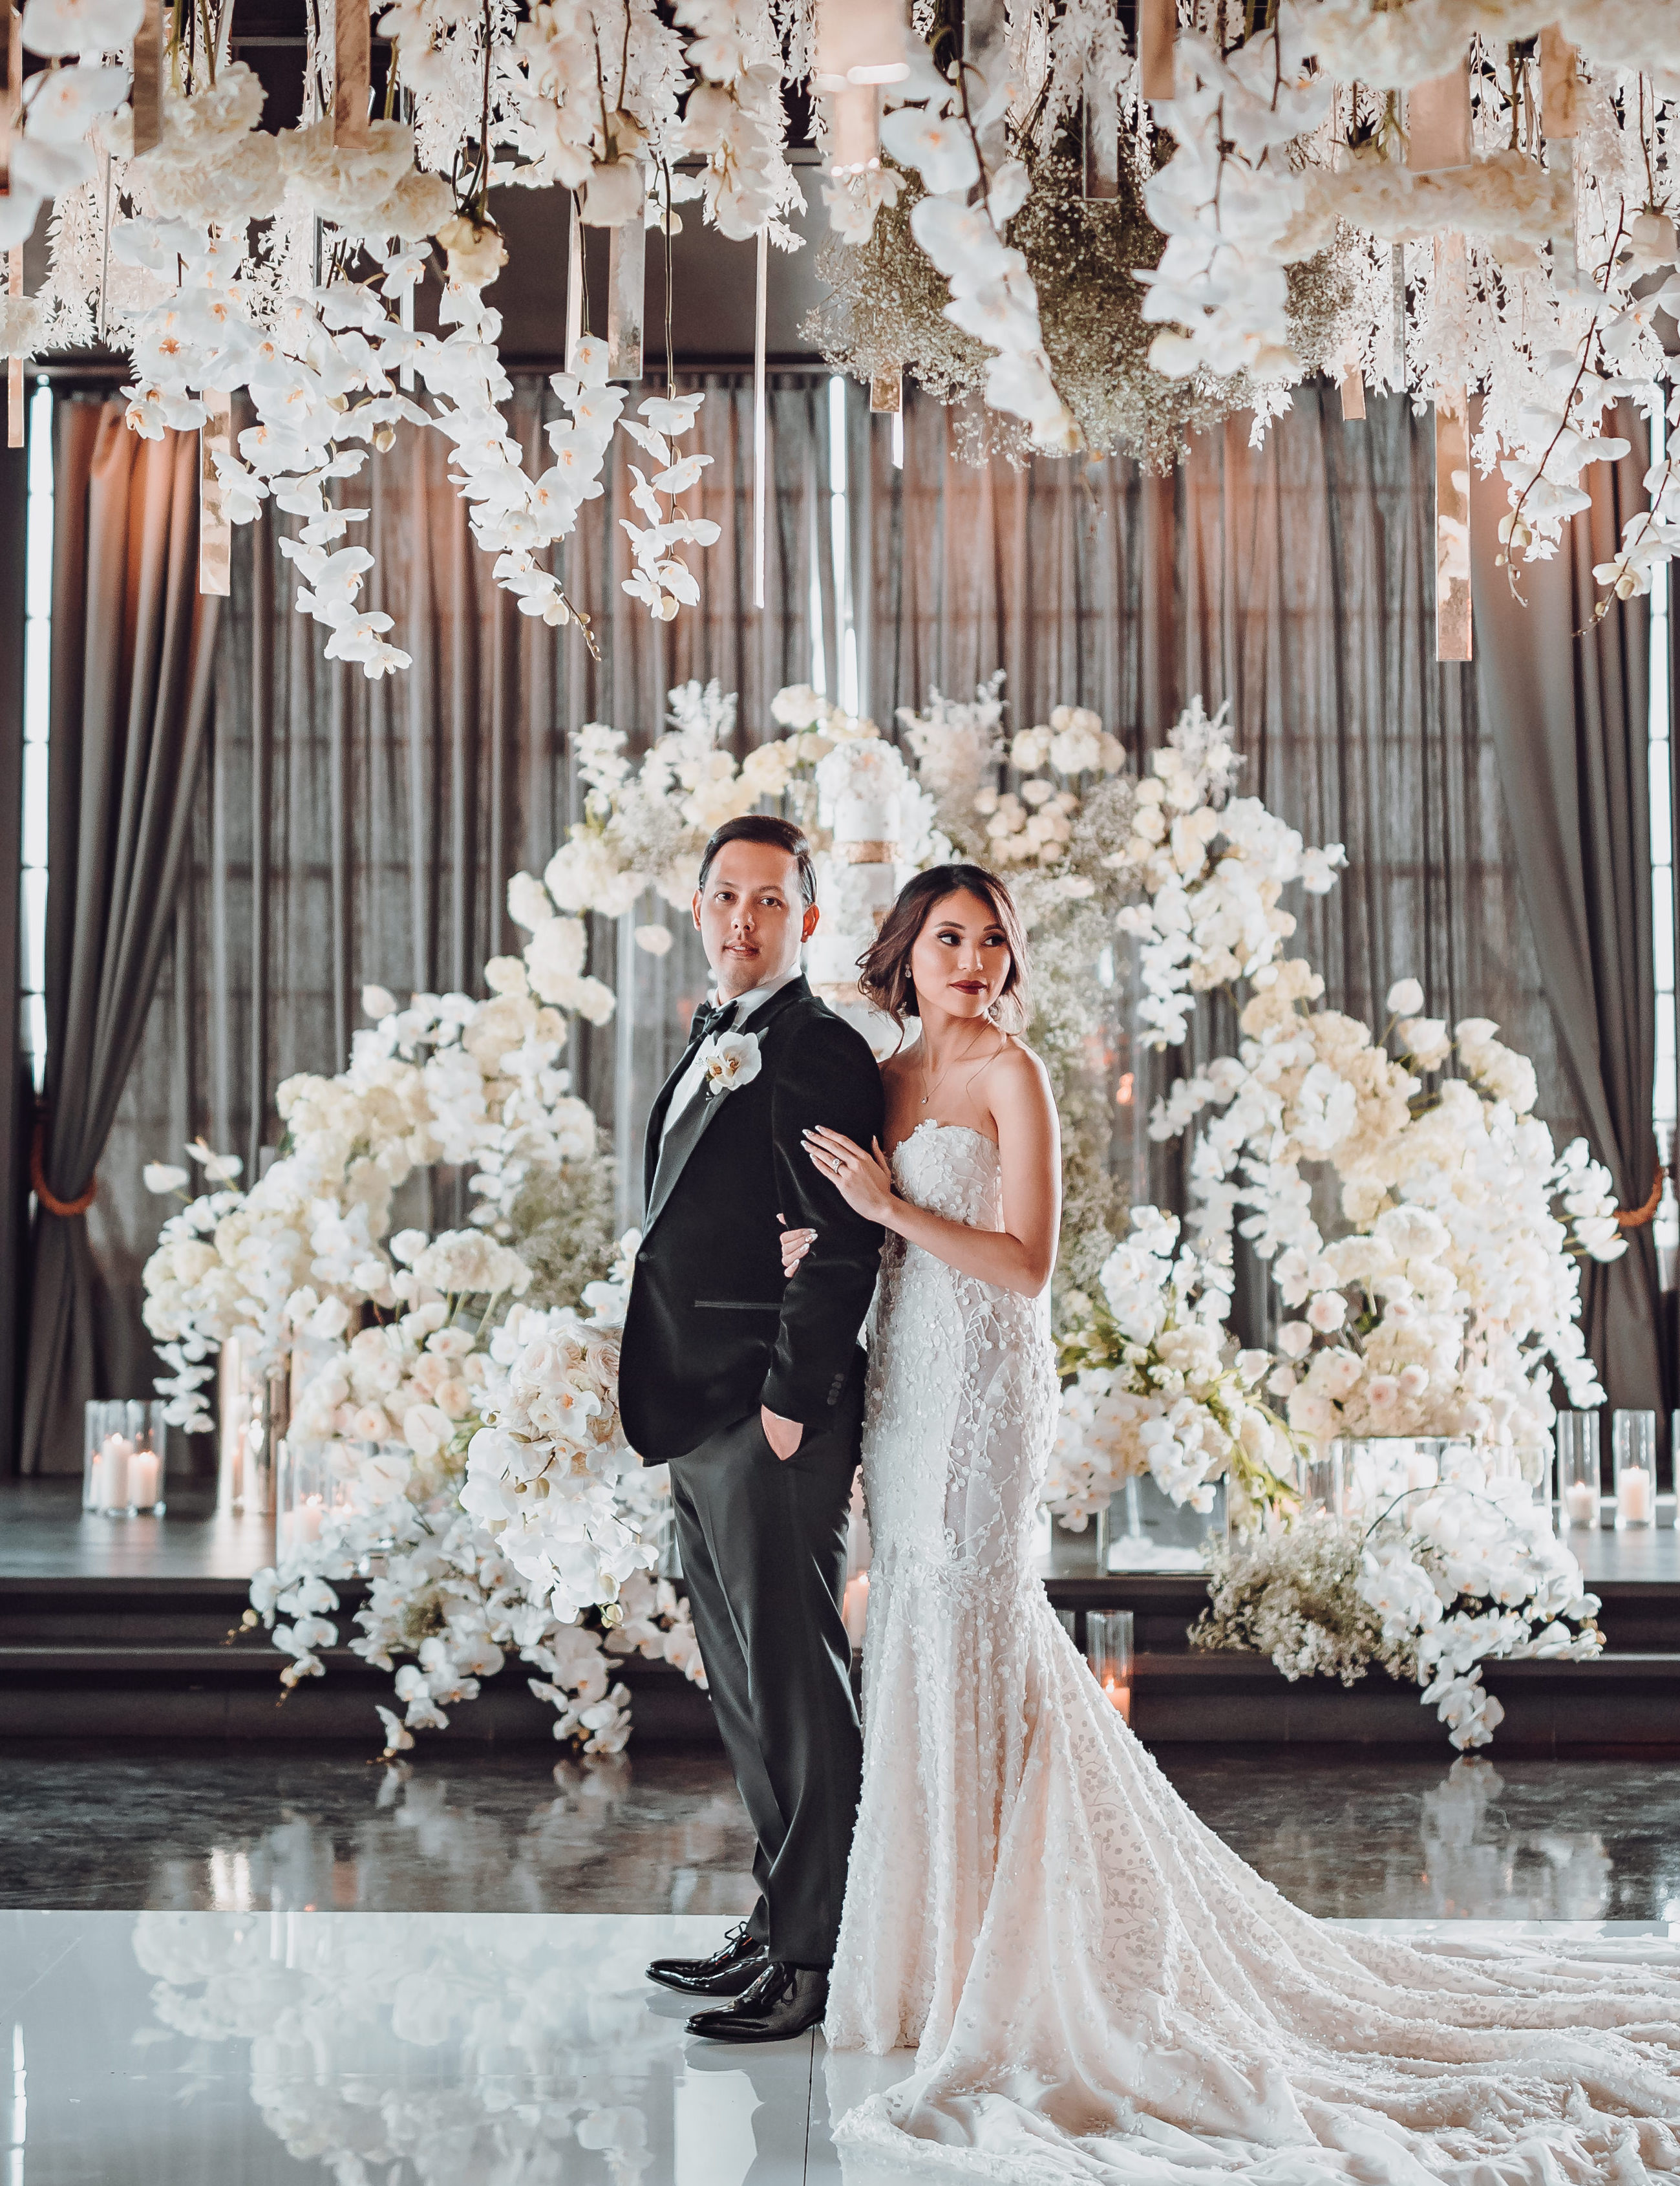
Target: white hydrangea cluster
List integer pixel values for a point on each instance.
(1213, 869)
(1151, 1388)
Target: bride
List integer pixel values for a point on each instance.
(1096, 1988)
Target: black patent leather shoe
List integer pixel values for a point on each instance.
(735, 1967)
(784, 2001)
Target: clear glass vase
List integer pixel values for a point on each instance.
(1108, 1650)
(123, 1445)
(1580, 1469)
(1633, 1459)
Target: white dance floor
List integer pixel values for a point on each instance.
(165, 2048)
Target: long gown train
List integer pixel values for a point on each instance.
(1096, 1987)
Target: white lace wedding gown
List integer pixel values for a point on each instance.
(1097, 1988)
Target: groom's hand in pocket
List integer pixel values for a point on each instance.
(783, 1436)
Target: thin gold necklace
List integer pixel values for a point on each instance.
(931, 1083)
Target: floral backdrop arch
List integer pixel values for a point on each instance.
(453, 1431)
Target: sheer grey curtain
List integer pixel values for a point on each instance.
(1567, 695)
(347, 833)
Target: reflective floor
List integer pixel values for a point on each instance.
(507, 1830)
(163, 2049)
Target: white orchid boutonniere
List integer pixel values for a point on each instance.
(730, 1059)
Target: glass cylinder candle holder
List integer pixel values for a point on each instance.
(303, 1491)
(1633, 1459)
(1579, 1486)
(1321, 1479)
(122, 1457)
(1108, 1650)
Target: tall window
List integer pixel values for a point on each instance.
(38, 656)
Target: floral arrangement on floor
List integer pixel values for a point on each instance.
(1439, 1581)
(1423, 197)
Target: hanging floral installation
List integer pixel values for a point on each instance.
(1111, 247)
(454, 1439)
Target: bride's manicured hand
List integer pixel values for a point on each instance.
(795, 1244)
(864, 1180)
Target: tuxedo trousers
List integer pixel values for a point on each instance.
(763, 1542)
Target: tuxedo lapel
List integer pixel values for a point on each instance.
(672, 1158)
(656, 1128)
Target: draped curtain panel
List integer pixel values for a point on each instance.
(133, 644)
(16, 1086)
(1567, 698)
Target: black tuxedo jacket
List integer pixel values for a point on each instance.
(712, 1331)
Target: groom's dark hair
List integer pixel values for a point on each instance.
(764, 828)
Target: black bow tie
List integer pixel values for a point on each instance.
(710, 1017)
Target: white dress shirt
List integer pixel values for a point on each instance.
(691, 1079)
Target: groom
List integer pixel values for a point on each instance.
(753, 1388)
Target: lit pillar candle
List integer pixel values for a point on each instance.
(110, 1474)
(308, 1518)
(1635, 1495)
(1119, 1695)
(143, 1478)
(1581, 1504)
(854, 1608)
(1421, 1469)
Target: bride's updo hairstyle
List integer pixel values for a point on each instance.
(884, 967)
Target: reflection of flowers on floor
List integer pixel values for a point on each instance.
(428, 2050)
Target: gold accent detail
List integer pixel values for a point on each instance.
(866, 853)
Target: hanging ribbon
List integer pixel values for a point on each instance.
(350, 71)
(760, 421)
(215, 532)
(148, 91)
(626, 297)
(1157, 35)
(1451, 522)
(1353, 397)
(574, 286)
(1100, 119)
(1558, 79)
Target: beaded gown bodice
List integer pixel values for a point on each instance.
(1096, 1988)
